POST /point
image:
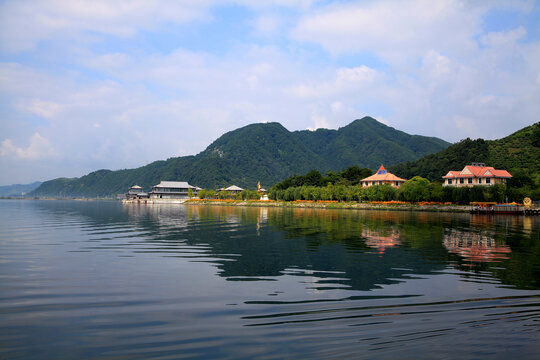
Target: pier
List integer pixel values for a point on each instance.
(491, 208)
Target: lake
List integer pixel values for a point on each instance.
(98, 279)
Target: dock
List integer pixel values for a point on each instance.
(490, 208)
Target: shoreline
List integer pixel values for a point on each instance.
(284, 204)
(334, 205)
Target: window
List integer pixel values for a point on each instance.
(469, 181)
(488, 181)
(373, 183)
(380, 182)
(449, 181)
(461, 181)
(479, 180)
(397, 183)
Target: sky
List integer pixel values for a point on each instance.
(88, 85)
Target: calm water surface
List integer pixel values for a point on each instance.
(83, 280)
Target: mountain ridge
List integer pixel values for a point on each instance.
(515, 153)
(265, 152)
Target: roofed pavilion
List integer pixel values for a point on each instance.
(382, 176)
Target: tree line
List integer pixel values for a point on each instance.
(224, 195)
(342, 186)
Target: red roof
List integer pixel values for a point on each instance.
(383, 175)
(478, 171)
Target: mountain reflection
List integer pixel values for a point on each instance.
(368, 249)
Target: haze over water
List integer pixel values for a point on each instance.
(104, 280)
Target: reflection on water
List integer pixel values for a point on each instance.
(381, 240)
(475, 246)
(106, 280)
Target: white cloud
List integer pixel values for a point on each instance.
(503, 38)
(25, 23)
(106, 62)
(319, 122)
(39, 148)
(345, 81)
(395, 30)
(46, 109)
(267, 24)
(436, 73)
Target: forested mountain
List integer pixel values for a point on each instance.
(18, 189)
(260, 152)
(369, 143)
(518, 153)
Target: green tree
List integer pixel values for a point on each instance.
(202, 194)
(477, 193)
(436, 192)
(340, 192)
(415, 189)
(315, 193)
(460, 195)
(498, 192)
(223, 195)
(384, 192)
(190, 193)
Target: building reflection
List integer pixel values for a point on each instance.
(475, 246)
(381, 240)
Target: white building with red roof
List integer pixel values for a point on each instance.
(476, 174)
(382, 177)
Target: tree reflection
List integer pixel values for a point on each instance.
(367, 248)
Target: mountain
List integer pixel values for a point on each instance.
(260, 152)
(517, 153)
(18, 189)
(369, 143)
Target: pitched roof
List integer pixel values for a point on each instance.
(136, 187)
(477, 171)
(174, 184)
(501, 173)
(234, 188)
(383, 175)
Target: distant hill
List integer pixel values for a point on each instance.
(18, 189)
(517, 153)
(260, 152)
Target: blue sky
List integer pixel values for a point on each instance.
(87, 85)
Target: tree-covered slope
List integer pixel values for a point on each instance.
(259, 152)
(369, 143)
(519, 152)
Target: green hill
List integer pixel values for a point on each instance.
(18, 189)
(517, 153)
(260, 152)
(369, 143)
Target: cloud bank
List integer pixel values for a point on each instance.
(86, 85)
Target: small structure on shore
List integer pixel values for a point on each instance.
(382, 176)
(165, 192)
(136, 192)
(231, 190)
(262, 192)
(476, 174)
(492, 208)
